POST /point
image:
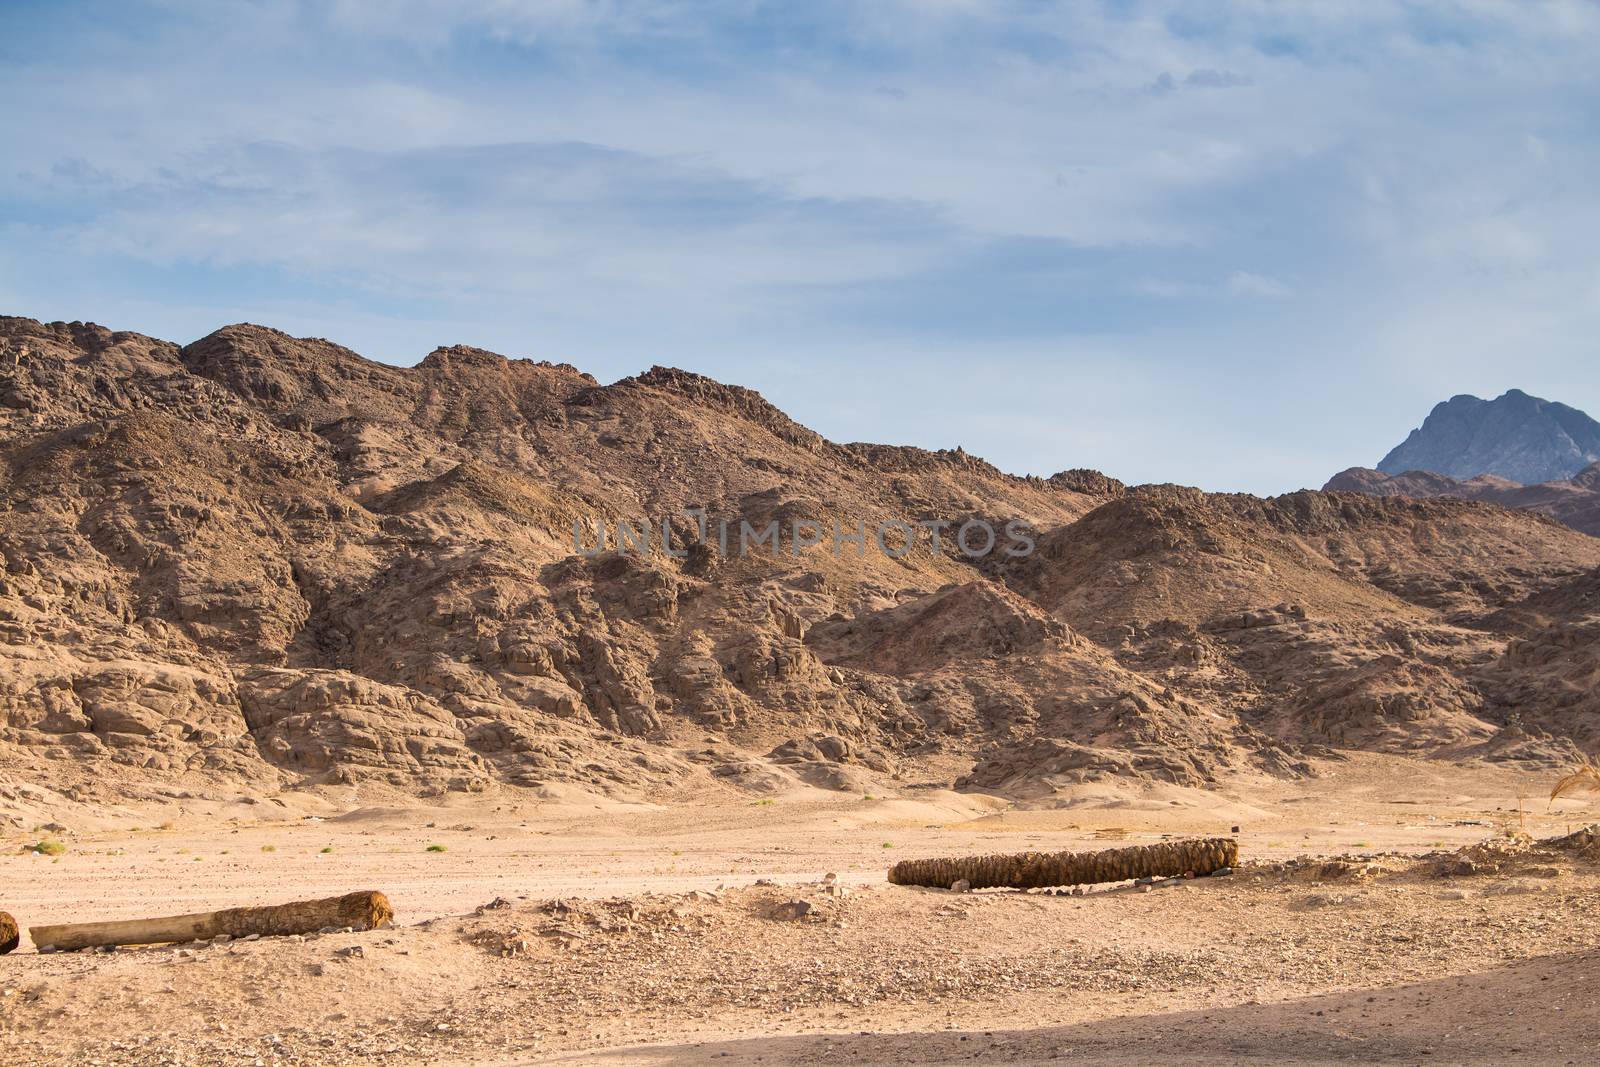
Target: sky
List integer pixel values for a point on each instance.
(1235, 245)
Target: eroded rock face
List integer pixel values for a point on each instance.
(316, 721)
(265, 560)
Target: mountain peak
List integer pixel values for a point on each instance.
(1516, 436)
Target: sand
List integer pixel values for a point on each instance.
(665, 950)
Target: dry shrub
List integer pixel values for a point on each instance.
(1586, 777)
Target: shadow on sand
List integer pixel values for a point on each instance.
(1542, 1011)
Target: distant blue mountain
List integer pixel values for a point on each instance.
(1516, 436)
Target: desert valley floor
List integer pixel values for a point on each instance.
(565, 928)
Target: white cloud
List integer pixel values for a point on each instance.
(1245, 283)
(1382, 184)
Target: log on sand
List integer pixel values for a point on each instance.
(10, 936)
(1037, 870)
(359, 911)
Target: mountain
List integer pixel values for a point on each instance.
(1517, 437)
(258, 562)
(1574, 501)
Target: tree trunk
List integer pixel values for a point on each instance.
(361, 911)
(1036, 870)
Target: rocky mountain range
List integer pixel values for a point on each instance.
(1517, 451)
(263, 561)
(1574, 501)
(1516, 437)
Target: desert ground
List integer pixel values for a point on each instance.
(559, 927)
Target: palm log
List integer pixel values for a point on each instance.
(360, 911)
(10, 936)
(1036, 870)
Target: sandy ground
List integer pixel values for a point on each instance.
(667, 952)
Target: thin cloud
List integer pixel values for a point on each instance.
(1147, 191)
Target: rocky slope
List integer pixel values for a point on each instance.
(1515, 436)
(258, 562)
(1574, 501)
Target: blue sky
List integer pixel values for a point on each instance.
(1239, 245)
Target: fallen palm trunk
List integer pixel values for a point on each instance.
(1036, 870)
(359, 911)
(10, 936)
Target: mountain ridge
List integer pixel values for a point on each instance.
(265, 560)
(1573, 501)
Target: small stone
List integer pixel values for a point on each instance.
(350, 952)
(793, 910)
(960, 885)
